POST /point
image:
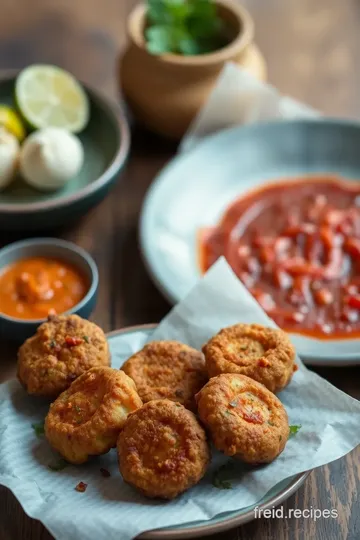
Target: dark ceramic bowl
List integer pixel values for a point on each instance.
(106, 142)
(19, 329)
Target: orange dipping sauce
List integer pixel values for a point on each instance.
(37, 287)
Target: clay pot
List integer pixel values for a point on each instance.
(165, 92)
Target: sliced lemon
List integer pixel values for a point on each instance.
(48, 96)
(11, 121)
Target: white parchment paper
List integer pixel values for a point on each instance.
(238, 98)
(110, 509)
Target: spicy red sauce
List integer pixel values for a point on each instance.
(34, 288)
(296, 247)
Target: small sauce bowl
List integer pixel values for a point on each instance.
(18, 329)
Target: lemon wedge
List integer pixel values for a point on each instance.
(48, 96)
(11, 121)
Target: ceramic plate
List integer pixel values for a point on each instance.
(196, 187)
(106, 143)
(276, 496)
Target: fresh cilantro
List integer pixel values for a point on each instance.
(187, 27)
(294, 429)
(38, 428)
(221, 478)
(59, 465)
(86, 338)
(52, 343)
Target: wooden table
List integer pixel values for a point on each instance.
(312, 49)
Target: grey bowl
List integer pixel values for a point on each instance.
(106, 143)
(19, 329)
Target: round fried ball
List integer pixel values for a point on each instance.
(244, 418)
(167, 369)
(162, 449)
(63, 348)
(86, 419)
(264, 354)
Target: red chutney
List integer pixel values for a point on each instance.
(34, 288)
(296, 247)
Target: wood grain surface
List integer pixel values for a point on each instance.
(312, 50)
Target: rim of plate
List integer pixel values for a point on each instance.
(225, 523)
(154, 265)
(115, 165)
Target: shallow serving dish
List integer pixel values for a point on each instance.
(193, 191)
(106, 141)
(106, 492)
(20, 329)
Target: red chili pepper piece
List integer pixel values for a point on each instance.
(263, 362)
(354, 301)
(73, 341)
(81, 487)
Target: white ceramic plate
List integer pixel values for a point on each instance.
(196, 187)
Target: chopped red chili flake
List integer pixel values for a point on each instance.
(105, 473)
(295, 367)
(263, 362)
(73, 341)
(81, 487)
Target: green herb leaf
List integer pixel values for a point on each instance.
(59, 465)
(52, 343)
(86, 338)
(294, 429)
(159, 39)
(221, 478)
(187, 27)
(38, 428)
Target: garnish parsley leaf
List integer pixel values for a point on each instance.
(294, 429)
(59, 465)
(221, 477)
(38, 428)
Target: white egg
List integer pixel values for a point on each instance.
(50, 157)
(9, 155)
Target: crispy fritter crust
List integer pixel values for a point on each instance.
(167, 370)
(263, 354)
(86, 419)
(244, 418)
(162, 449)
(63, 348)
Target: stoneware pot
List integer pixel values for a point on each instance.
(165, 92)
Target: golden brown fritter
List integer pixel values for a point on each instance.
(86, 419)
(244, 418)
(264, 354)
(162, 449)
(167, 369)
(63, 348)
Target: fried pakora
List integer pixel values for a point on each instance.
(162, 449)
(86, 419)
(263, 354)
(63, 348)
(244, 418)
(167, 370)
